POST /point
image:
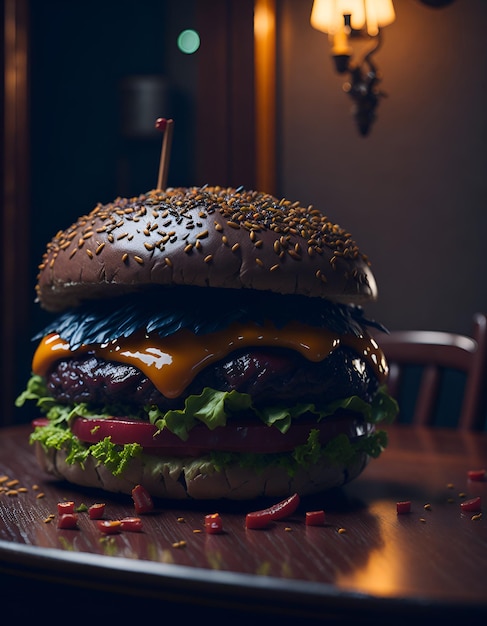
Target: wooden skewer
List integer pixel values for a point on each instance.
(165, 126)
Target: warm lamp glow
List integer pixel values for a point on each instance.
(353, 27)
(328, 15)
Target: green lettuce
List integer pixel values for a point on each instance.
(214, 408)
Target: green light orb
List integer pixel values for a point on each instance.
(188, 41)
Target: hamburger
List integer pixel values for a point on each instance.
(207, 342)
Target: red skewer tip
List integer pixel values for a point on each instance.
(161, 123)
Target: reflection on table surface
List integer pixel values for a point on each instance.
(435, 556)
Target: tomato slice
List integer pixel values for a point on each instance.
(234, 437)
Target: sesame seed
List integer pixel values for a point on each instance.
(168, 261)
(139, 259)
(208, 258)
(294, 255)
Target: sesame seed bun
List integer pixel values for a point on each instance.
(205, 237)
(188, 479)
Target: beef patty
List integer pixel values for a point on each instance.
(270, 376)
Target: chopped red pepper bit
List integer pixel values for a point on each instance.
(65, 507)
(403, 507)
(315, 518)
(213, 524)
(68, 521)
(474, 505)
(476, 475)
(109, 527)
(263, 518)
(131, 524)
(142, 500)
(96, 511)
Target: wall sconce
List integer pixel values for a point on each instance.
(353, 27)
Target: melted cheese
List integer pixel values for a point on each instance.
(171, 363)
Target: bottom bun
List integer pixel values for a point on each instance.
(190, 479)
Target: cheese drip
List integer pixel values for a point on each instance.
(171, 363)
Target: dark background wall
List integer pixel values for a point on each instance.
(87, 57)
(414, 192)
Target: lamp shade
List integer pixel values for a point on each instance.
(328, 15)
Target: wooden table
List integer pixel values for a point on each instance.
(367, 564)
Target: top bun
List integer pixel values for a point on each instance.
(204, 237)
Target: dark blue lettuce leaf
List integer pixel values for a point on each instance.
(167, 311)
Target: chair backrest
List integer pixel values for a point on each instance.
(435, 352)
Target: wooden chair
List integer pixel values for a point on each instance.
(433, 353)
